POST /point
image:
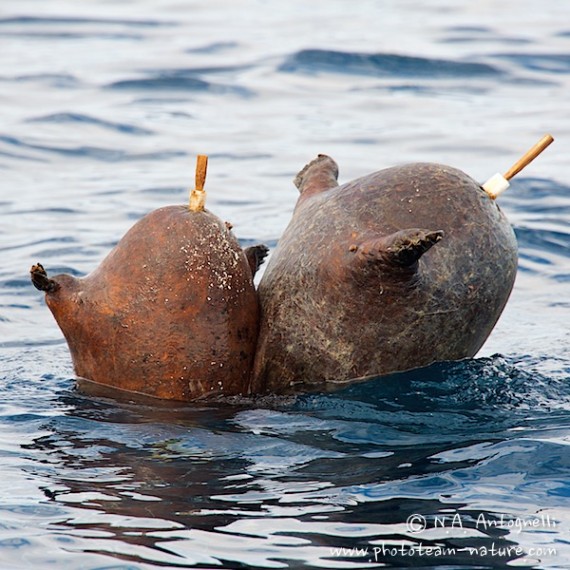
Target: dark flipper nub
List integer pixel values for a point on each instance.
(319, 175)
(403, 248)
(407, 246)
(256, 255)
(41, 280)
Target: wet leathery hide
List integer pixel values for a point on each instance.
(393, 271)
(171, 312)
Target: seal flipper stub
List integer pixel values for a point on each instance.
(407, 246)
(256, 255)
(40, 279)
(403, 248)
(319, 175)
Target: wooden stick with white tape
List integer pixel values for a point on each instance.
(500, 182)
(198, 195)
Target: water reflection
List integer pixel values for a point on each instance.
(306, 477)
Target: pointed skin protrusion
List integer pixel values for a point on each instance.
(319, 175)
(403, 248)
(256, 255)
(40, 279)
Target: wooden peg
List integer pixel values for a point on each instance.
(198, 195)
(528, 156)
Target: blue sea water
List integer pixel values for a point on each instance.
(104, 106)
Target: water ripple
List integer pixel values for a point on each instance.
(95, 153)
(383, 64)
(68, 20)
(102, 101)
(79, 119)
(177, 82)
(550, 63)
(59, 80)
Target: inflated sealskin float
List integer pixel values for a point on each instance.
(396, 270)
(171, 312)
(393, 271)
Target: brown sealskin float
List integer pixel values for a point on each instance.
(393, 271)
(171, 312)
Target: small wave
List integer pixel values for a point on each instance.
(35, 20)
(383, 65)
(484, 384)
(43, 35)
(550, 63)
(544, 241)
(176, 82)
(59, 239)
(17, 283)
(215, 47)
(86, 119)
(61, 80)
(193, 72)
(170, 83)
(542, 207)
(58, 28)
(13, 155)
(163, 190)
(32, 343)
(469, 34)
(241, 156)
(96, 153)
(538, 195)
(469, 29)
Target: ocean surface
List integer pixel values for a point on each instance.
(104, 106)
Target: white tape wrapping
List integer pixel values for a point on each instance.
(496, 185)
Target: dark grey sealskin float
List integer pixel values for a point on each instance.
(393, 271)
